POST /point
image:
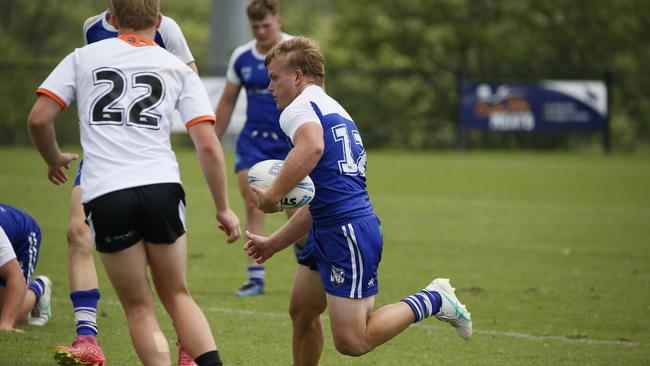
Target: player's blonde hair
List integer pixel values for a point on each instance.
(259, 9)
(304, 54)
(135, 14)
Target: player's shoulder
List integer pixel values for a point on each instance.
(93, 20)
(299, 106)
(246, 48)
(168, 24)
(315, 96)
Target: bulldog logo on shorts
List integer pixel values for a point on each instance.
(336, 276)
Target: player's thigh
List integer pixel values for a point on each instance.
(308, 294)
(348, 257)
(126, 270)
(168, 265)
(77, 214)
(348, 317)
(247, 194)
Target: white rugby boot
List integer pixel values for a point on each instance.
(452, 311)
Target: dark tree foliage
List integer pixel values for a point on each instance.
(394, 64)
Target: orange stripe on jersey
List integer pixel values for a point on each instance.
(54, 97)
(136, 40)
(196, 120)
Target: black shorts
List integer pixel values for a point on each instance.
(154, 213)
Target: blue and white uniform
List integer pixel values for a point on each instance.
(20, 238)
(345, 243)
(168, 36)
(261, 138)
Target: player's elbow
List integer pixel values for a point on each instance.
(206, 147)
(37, 119)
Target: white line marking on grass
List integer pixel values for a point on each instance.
(586, 341)
(599, 342)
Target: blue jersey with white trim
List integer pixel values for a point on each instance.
(168, 36)
(340, 174)
(17, 225)
(246, 68)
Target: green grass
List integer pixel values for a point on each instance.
(550, 251)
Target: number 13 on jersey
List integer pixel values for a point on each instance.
(353, 152)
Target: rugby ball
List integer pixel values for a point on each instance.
(264, 173)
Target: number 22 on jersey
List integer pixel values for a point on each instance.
(103, 110)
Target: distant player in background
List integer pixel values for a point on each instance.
(126, 89)
(338, 266)
(261, 138)
(21, 298)
(84, 286)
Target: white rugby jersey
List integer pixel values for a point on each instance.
(6, 249)
(126, 89)
(168, 36)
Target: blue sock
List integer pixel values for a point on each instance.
(256, 274)
(85, 311)
(424, 304)
(38, 287)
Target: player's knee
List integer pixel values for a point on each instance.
(79, 237)
(303, 315)
(137, 311)
(350, 346)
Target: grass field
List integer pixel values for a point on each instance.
(550, 252)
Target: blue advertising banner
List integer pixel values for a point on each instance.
(547, 105)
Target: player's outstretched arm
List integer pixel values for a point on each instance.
(226, 107)
(13, 295)
(41, 128)
(211, 159)
(261, 248)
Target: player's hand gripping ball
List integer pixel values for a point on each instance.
(264, 173)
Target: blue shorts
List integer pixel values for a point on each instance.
(255, 145)
(77, 178)
(347, 257)
(27, 253)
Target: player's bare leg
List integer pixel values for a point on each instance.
(168, 270)
(255, 225)
(132, 288)
(356, 329)
(84, 288)
(306, 306)
(81, 265)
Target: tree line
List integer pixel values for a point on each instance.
(394, 64)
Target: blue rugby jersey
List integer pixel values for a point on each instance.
(246, 68)
(340, 175)
(18, 226)
(168, 36)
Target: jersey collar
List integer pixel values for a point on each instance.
(136, 40)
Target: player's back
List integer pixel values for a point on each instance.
(126, 90)
(16, 224)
